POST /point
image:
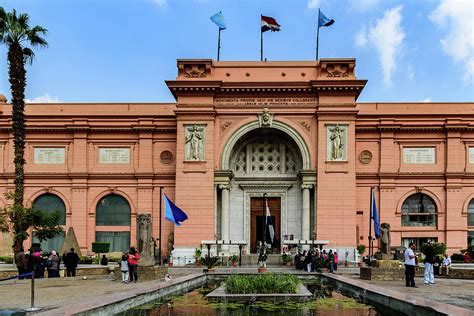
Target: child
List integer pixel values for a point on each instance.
(124, 268)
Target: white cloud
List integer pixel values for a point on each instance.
(161, 3)
(426, 100)
(386, 36)
(457, 17)
(44, 99)
(410, 73)
(361, 37)
(314, 4)
(363, 5)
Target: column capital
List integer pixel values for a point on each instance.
(225, 186)
(306, 186)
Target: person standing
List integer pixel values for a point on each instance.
(53, 265)
(336, 260)
(20, 262)
(124, 268)
(71, 263)
(133, 258)
(429, 261)
(410, 265)
(308, 260)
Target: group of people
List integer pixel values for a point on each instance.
(313, 260)
(129, 265)
(432, 265)
(37, 263)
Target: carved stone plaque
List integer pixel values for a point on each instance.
(114, 155)
(49, 156)
(365, 157)
(419, 155)
(471, 154)
(336, 142)
(194, 142)
(166, 157)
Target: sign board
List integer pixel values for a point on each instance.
(114, 155)
(49, 155)
(419, 155)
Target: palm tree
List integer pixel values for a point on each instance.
(16, 33)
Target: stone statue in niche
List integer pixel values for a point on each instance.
(385, 238)
(336, 143)
(143, 239)
(194, 141)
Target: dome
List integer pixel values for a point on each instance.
(3, 99)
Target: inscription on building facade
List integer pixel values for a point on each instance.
(114, 155)
(471, 154)
(419, 155)
(265, 101)
(49, 156)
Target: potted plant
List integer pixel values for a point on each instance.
(211, 262)
(233, 259)
(361, 250)
(197, 256)
(287, 260)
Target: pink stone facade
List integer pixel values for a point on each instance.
(401, 149)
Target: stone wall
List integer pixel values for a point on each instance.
(145, 273)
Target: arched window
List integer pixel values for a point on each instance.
(113, 210)
(470, 213)
(419, 210)
(50, 203)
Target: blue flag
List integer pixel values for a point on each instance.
(173, 213)
(323, 20)
(218, 18)
(374, 215)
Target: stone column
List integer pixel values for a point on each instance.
(225, 212)
(305, 221)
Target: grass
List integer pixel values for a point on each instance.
(262, 284)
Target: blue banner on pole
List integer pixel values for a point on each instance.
(173, 213)
(218, 18)
(375, 216)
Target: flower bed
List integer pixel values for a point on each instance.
(263, 284)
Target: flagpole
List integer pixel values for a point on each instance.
(219, 44)
(261, 40)
(264, 218)
(370, 219)
(161, 196)
(317, 37)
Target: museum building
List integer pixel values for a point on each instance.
(291, 131)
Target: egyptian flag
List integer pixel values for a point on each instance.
(269, 24)
(269, 223)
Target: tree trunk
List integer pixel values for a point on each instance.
(17, 78)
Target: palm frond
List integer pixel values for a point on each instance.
(29, 55)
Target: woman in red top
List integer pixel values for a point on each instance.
(133, 258)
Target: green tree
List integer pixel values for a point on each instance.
(15, 33)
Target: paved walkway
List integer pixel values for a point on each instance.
(54, 293)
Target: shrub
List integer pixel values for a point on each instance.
(286, 258)
(211, 262)
(457, 257)
(262, 284)
(233, 258)
(439, 248)
(197, 253)
(100, 247)
(85, 260)
(361, 249)
(6, 259)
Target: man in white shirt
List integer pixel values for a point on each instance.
(410, 265)
(447, 263)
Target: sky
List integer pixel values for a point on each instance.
(123, 50)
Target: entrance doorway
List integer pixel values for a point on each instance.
(257, 222)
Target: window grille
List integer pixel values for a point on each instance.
(113, 210)
(119, 241)
(419, 210)
(50, 203)
(470, 213)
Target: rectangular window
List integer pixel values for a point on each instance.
(418, 219)
(119, 241)
(49, 156)
(470, 238)
(114, 155)
(419, 155)
(471, 154)
(418, 242)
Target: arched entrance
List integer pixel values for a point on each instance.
(264, 161)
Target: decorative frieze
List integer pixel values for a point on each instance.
(265, 119)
